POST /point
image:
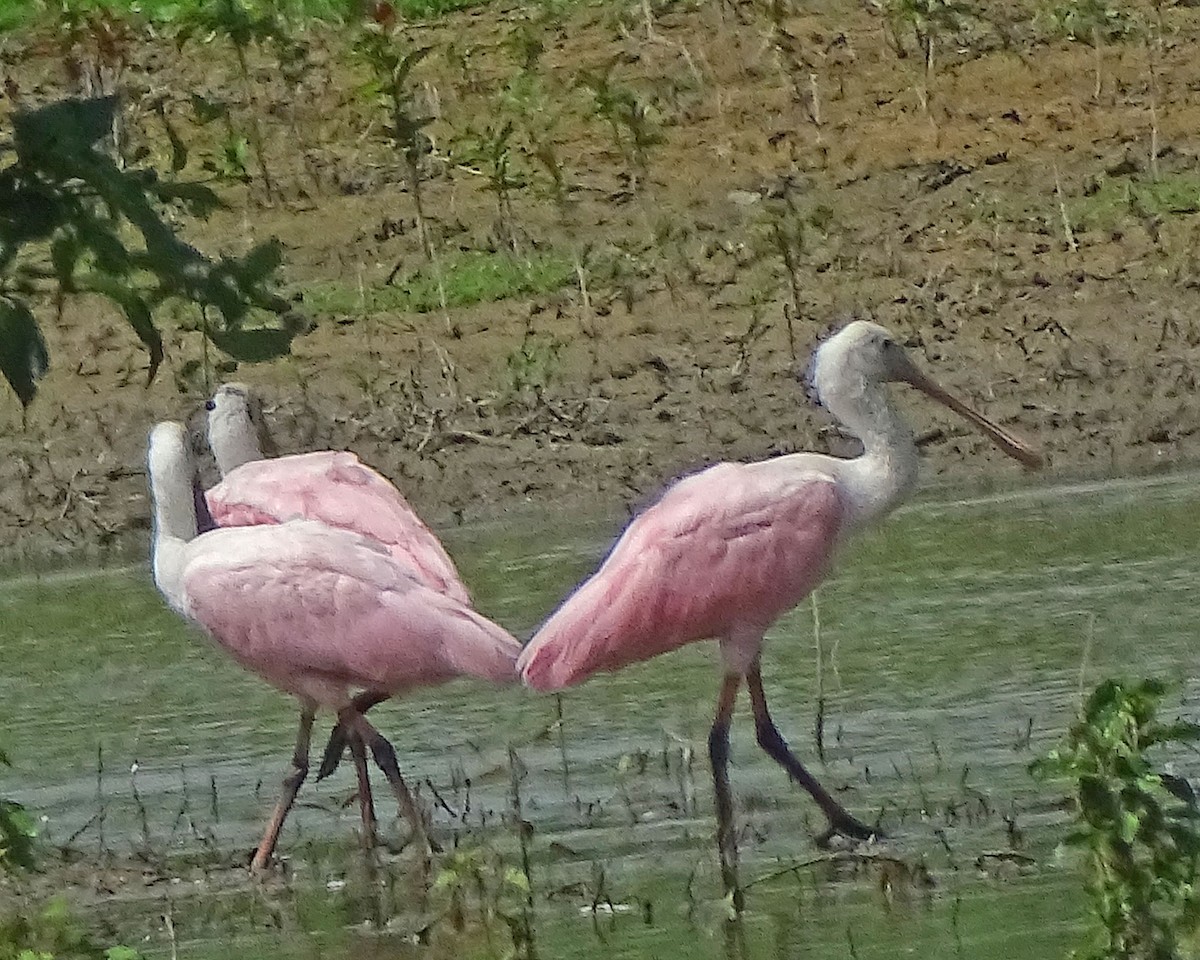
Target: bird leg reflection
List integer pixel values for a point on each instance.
(291, 786)
(718, 754)
(771, 740)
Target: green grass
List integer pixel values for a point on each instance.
(468, 278)
(1117, 199)
(21, 13)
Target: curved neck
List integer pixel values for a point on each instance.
(174, 517)
(233, 440)
(887, 470)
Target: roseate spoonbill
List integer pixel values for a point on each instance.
(332, 486)
(316, 612)
(728, 550)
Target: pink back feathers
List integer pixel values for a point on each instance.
(316, 611)
(723, 554)
(338, 489)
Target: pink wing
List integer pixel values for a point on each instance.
(336, 488)
(725, 551)
(314, 610)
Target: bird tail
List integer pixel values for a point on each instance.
(492, 653)
(540, 665)
(584, 636)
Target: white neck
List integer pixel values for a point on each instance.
(232, 438)
(174, 510)
(887, 470)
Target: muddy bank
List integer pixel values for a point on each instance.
(1013, 230)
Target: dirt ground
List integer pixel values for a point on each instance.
(1015, 232)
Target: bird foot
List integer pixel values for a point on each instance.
(420, 840)
(849, 827)
(262, 867)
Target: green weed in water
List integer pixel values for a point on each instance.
(1138, 826)
(16, 832)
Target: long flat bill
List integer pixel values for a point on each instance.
(1014, 446)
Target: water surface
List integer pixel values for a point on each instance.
(954, 642)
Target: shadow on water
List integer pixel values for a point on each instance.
(951, 646)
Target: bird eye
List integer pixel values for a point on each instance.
(210, 405)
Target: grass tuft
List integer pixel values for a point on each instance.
(468, 278)
(1116, 199)
(15, 14)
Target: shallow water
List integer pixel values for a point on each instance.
(953, 642)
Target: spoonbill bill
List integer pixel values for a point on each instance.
(725, 552)
(317, 612)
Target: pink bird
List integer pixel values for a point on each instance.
(332, 486)
(317, 612)
(725, 552)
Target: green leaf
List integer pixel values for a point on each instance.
(179, 150)
(199, 199)
(260, 263)
(207, 111)
(17, 834)
(516, 878)
(137, 312)
(254, 345)
(64, 256)
(1096, 801)
(24, 359)
(65, 125)
(101, 239)
(411, 59)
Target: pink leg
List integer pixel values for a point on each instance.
(291, 786)
(771, 740)
(366, 802)
(385, 758)
(718, 754)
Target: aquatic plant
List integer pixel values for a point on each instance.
(1138, 826)
(16, 832)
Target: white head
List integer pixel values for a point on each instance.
(857, 356)
(850, 366)
(237, 430)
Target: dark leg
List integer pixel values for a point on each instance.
(366, 802)
(338, 736)
(385, 759)
(718, 755)
(291, 786)
(771, 740)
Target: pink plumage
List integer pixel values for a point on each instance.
(318, 611)
(726, 551)
(338, 489)
(276, 596)
(722, 555)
